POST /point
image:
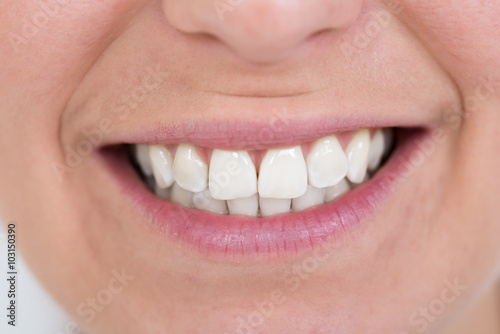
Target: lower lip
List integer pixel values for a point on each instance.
(276, 236)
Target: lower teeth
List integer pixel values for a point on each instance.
(254, 206)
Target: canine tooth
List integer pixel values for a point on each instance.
(313, 196)
(232, 175)
(163, 193)
(283, 174)
(376, 150)
(204, 201)
(337, 190)
(181, 196)
(190, 172)
(326, 163)
(161, 160)
(274, 206)
(143, 160)
(357, 156)
(244, 206)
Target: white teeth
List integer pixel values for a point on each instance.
(161, 160)
(326, 163)
(190, 172)
(142, 158)
(312, 197)
(283, 174)
(337, 190)
(182, 196)
(244, 206)
(204, 201)
(376, 151)
(232, 175)
(285, 182)
(357, 156)
(273, 206)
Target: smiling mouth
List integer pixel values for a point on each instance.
(273, 202)
(263, 183)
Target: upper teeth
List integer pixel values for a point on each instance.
(326, 163)
(190, 171)
(161, 160)
(283, 174)
(232, 175)
(357, 155)
(285, 181)
(376, 150)
(143, 159)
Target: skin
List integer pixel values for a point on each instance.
(440, 225)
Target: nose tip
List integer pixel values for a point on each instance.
(261, 30)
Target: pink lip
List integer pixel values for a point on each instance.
(279, 130)
(238, 236)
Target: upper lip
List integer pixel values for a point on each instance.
(253, 124)
(234, 135)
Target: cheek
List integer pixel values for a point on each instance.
(45, 52)
(49, 46)
(462, 36)
(459, 34)
(477, 186)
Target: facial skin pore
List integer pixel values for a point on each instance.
(67, 65)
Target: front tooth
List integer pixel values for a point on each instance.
(326, 163)
(204, 201)
(283, 174)
(190, 172)
(274, 206)
(232, 175)
(244, 206)
(142, 158)
(161, 160)
(312, 197)
(357, 156)
(337, 190)
(376, 150)
(181, 196)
